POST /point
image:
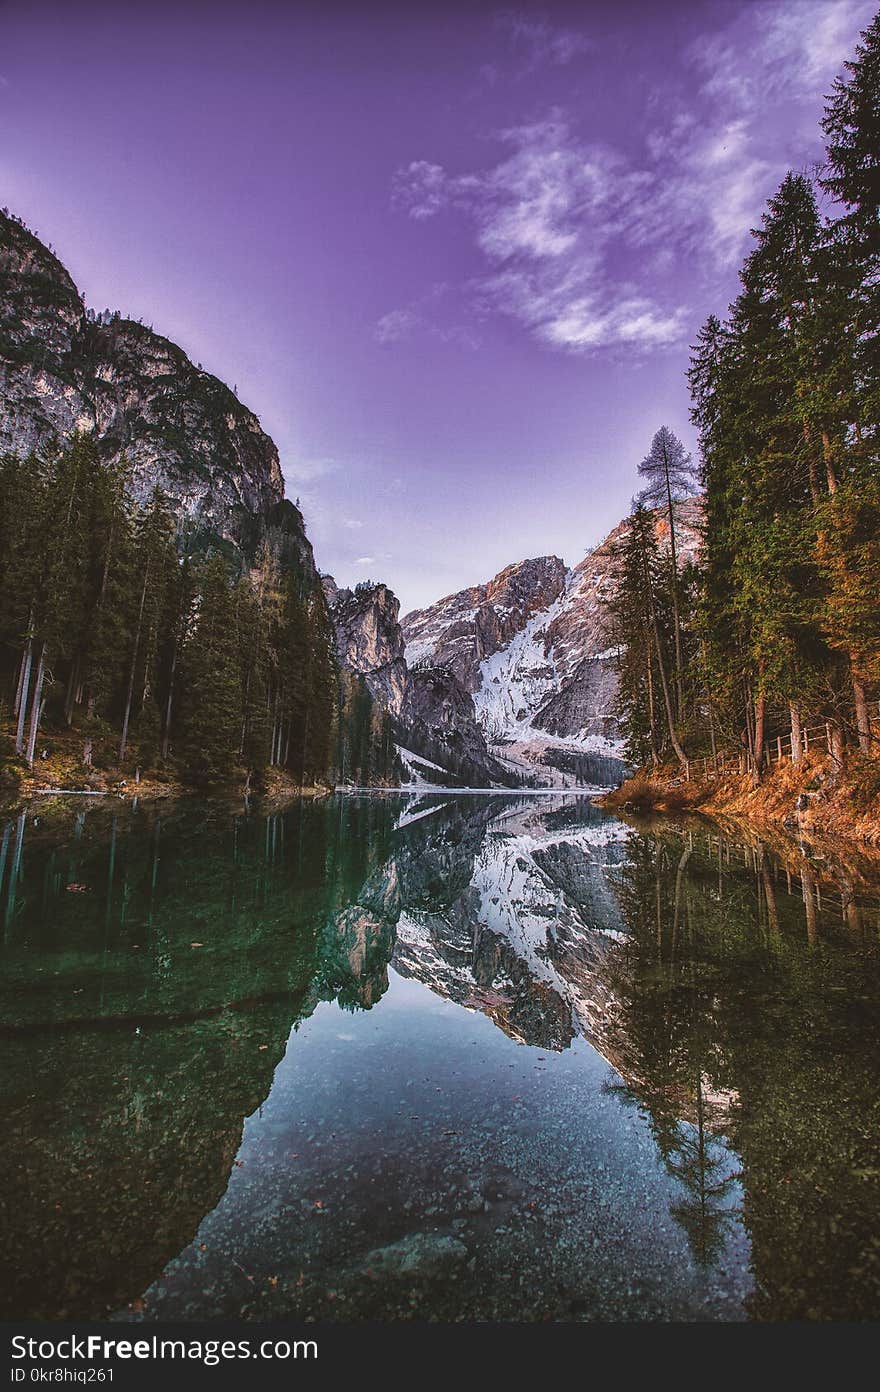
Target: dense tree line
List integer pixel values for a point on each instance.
(151, 658)
(782, 624)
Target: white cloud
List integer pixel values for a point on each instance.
(397, 324)
(421, 317)
(772, 50)
(544, 42)
(365, 561)
(557, 215)
(545, 218)
(309, 470)
(420, 189)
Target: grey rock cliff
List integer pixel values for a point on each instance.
(179, 427)
(438, 720)
(532, 645)
(433, 713)
(369, 639)
(465, 628)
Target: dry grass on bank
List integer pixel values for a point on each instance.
(844, 806)
(63, 772)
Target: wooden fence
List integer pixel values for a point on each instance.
(775, 750)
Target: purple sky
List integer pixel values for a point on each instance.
(451, 255)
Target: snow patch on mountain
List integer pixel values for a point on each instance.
(518, 894)
(515, 681)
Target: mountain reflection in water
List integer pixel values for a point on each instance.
(641, 1082)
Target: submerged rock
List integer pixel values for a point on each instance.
(418, 1254)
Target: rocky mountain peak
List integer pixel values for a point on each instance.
(369, 639)
(463, 629)
(531, 647)
(433, 713)
(62, 370)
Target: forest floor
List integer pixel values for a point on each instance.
(835, 806)
(59, 770)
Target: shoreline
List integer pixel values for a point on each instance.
(801, 803)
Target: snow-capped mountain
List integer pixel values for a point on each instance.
(529, 923)
(434, 722)
(532, 647)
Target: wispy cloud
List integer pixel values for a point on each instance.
(542, 41)
(772, 50)
(420, 188)
(578, 238)
(426, 315)
(544, 217)
(309, 470)
(396, 325)
(365, 561)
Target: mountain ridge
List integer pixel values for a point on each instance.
(541, 670)
(64, 370)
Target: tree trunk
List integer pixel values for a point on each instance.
(863, 723)
(23, 698)
(134, 657)
(667, 701)
(244, 718)
(22, 667)
(675, 616)
(70, 693)
(305, 740)
(670, 717)
(712, 740)
(36, 707)
(838, 748)
(830, 473)
(811, 465)
(166, 734)
(652, 715)
(750, 723)
(796, 736)
(758, 752)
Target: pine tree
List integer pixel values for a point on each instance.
(671, 476)
(852, 178)
(323, 699)
(58, 599)
(637, 622)
(154, 566)
(211, 723)
(100, 659)
(254, 655)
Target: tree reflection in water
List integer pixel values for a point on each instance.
(156, 962)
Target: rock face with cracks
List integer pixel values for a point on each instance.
(433, 712)
(532, 644)
(62, 369)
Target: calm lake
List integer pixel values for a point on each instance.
(434, 1057)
